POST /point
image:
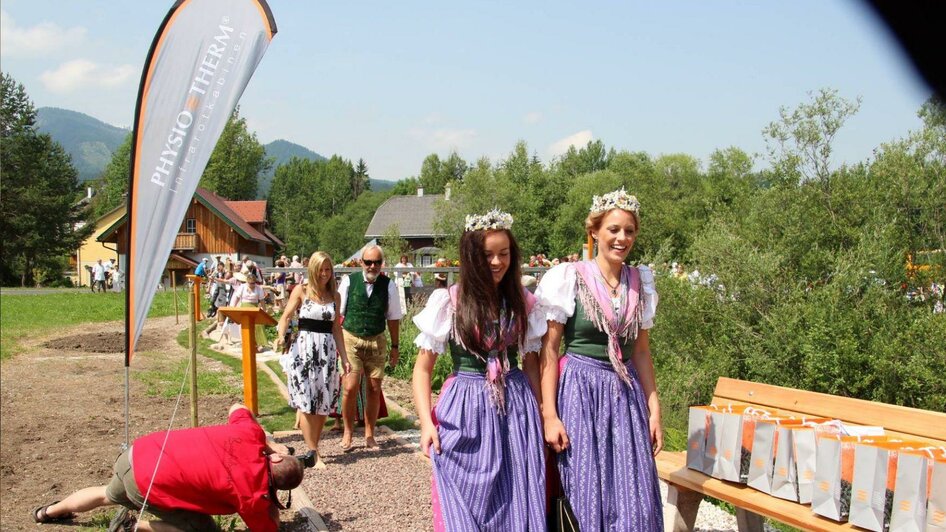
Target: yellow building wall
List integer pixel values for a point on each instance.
(92, 250)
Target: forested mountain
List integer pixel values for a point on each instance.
(91, 144)
(283, 150)
(88, 140)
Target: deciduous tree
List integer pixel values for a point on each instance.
(237, 161)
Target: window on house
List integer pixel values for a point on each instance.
(190, 225)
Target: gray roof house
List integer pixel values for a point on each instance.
(414, 217)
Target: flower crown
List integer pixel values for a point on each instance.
(493, 220)
(619, 199)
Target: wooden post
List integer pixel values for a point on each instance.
(193, 375)
(196, 279)
(248, 337)
(747, 521)
(248, 318)
(680, 509)
(177, 317)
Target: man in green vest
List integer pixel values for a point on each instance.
(368, 300)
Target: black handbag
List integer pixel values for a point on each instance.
(562, 518)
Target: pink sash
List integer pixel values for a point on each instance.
(497, 361)
(620, 326)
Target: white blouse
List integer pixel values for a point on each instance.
(556, 294)
(435, 324)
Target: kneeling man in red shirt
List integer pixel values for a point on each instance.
(204, 471)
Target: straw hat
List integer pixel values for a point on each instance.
(240, 276)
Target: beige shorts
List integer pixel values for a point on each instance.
(367, 355)
(123, 489)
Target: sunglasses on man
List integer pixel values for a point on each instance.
(371, 262)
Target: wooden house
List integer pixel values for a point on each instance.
(214, 228)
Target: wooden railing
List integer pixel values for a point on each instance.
(186, 242)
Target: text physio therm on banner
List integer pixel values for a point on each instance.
(199, 64)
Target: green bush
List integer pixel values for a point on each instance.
(408, 353)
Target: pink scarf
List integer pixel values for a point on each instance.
(497, 345)
(620, 326)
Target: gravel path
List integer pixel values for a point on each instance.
(388, 489)
(395, 494)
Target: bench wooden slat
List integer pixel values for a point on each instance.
(671, 467)
(900, 420)
(887, 431)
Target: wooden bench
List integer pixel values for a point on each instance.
(687, 487)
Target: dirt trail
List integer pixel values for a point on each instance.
(63, 424)
(63, 411)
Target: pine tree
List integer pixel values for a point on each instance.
(43, 219)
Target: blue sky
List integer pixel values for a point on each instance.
(395, 81)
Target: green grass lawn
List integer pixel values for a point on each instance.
(22, 315)
(274, 413)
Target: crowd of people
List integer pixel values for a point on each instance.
(511, 395)
(552, 404)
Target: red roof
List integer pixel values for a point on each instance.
(251, 211)
(223, 209)
(274, 238)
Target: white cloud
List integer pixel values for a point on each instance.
(84, 74)
(578, 140)
(433, 119)
(443, 139)
(41, 39)
(532, 118)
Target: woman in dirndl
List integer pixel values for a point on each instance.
(600, 407)
(484, 438)
(250, 294)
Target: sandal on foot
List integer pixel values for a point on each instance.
(347, 448)
(40, 516)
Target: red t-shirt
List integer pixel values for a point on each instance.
(217, 470)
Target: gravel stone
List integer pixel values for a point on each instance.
(388, 489)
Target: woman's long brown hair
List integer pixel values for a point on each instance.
(479, 299)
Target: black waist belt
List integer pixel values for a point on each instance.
(319, 326)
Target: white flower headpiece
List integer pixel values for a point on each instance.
(494, 220)
(619, 199)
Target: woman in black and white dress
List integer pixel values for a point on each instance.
(311, 365)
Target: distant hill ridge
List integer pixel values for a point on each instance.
(282, 151)
(88, 140)
(91, 143)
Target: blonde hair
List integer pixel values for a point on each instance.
(314, 289)
(594, 219)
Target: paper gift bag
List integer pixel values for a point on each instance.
(698, 430)
(794, 458)
(764, 447)
(875, 476)
(725, 443)
(936, 505)
(834, 471)
(911, 491)
(749, 419)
